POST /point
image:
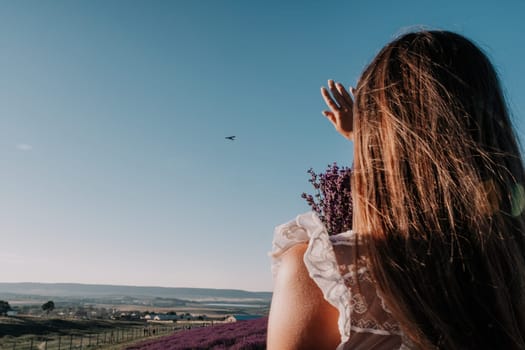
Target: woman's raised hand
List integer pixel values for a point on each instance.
(341, 105)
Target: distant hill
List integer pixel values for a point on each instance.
(104, 291)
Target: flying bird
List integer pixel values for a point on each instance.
(231, 138)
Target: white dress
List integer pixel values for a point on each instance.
(341, 273)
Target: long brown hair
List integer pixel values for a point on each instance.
(438, 193)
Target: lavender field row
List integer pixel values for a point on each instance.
(241, 335)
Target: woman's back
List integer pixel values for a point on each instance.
(439, 193)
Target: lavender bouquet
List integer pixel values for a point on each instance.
(332, 200)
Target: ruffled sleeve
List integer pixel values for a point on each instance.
(330, 263)
(320, 262)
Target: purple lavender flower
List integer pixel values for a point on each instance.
(242, 335)
(332, 200)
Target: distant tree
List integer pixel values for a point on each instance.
(48, 307)
(4, 307)
(172, 313)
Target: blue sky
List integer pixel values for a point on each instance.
(113, 115)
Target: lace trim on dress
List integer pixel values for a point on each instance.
(345, 283)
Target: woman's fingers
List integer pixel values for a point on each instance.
(335, 92)
(345, 95)
(331, 116)
(328, 99)
(340, 95)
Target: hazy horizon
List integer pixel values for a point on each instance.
(132, 286)
(114, 115)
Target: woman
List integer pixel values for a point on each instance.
(436, 257)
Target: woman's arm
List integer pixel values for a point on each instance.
(300, 318)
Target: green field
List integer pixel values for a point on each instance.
(25, 333)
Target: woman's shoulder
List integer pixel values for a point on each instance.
(306, 261)
(300, 318)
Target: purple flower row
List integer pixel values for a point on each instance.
(242, 335)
